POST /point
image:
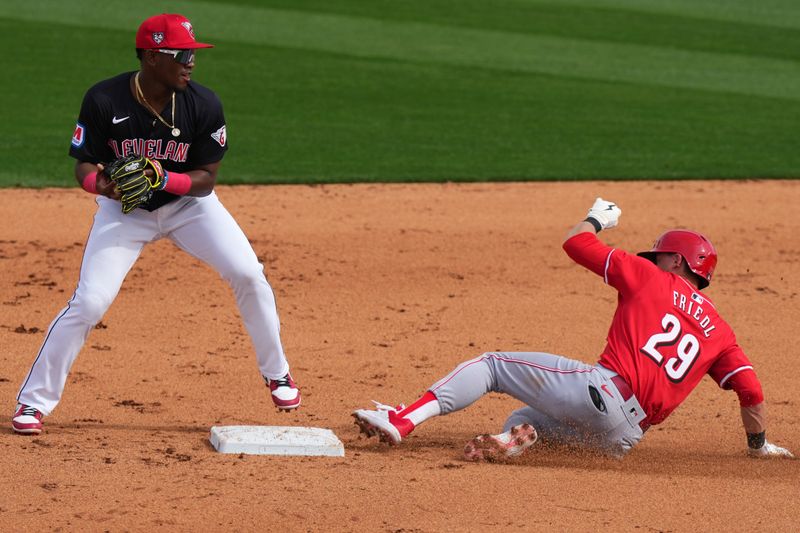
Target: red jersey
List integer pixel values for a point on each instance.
(665, 335)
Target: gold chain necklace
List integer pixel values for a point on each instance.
(175, 131)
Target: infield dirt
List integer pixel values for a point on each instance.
(382, 289)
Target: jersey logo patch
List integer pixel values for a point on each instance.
(79, 136)
(697, 298)
(219, 136)
(158, 37)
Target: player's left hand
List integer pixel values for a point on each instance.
(156, 176)
(605, 213)
(769, 450)
(135, 178)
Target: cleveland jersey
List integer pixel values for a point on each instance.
(665, 335)
(113, 124)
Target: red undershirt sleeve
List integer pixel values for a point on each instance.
(733, 370)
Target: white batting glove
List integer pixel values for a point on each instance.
(769, 450)
(605, 213)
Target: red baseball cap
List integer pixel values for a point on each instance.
(168, 30)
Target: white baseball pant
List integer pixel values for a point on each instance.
(200, 226)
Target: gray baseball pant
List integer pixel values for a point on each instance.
(558, 394)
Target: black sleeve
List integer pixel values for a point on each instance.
(211, 141)
(89, 141)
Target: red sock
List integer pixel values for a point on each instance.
(427, 397)
(421, 410)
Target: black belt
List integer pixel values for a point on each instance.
(626, 392)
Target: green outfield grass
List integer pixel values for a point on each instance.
(431, 90)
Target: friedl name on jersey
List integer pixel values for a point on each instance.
(151, 148)
(691, 307)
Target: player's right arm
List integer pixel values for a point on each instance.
(754, 421)
(89, 144)
(733, 370)
(102, 185)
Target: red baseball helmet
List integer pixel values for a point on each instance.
(696, 250)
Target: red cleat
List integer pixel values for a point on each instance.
(497, 448)
(285, 394)
(384, 423)
(27, 420)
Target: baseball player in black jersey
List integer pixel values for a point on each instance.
(159, 113)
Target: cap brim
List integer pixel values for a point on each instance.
(191, 46)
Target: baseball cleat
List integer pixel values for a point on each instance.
(27, 420)
(383, 422)
(284, 393)
(501, 447)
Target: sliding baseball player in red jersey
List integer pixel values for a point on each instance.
(664, 337)
(177, 126)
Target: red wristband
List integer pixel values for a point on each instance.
(90, 182)
(177, 183)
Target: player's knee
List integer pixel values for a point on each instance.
(246, 276)
(520, 416)
(91, 306)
